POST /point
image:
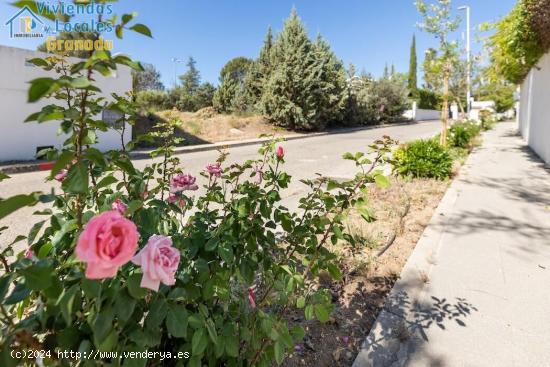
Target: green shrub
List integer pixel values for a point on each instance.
(151, 100)
(462, 134)
(423, 158)
(428, 100)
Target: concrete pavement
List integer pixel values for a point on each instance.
(304, 158)
(476, 290)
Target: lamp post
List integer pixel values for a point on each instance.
(468, 59)
(175, 61)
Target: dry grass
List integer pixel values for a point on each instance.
(207, 126)
(369, 276)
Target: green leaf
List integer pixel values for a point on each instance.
(16, 202)
(91, 287)
(143, 29)
(212, 331)
(66, 301)
(134, 287)
(157, 313)
(176, 321)
(199, 342)
(41, 87)
(301, 302)
(109, 342)
(34, 231)
(80, 82)
(124, 306)
(37, 276)
(63, 161)
(279, 351)
(4, 285)
(334, 271)
(309, 312)
(321, 313)
(37, 61)
(298, 333)
(106, 181)
(77, 179)
(19, 293)
(103, 324)
(231, 346)
(226, 253)
(382, 181)
(3, 176)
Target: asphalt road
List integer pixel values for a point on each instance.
(304, 158)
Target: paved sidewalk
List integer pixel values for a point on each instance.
(476, 290)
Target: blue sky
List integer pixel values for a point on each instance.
(368, 33)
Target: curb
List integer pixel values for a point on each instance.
(33, 166)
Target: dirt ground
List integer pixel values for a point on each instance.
(207, 126)
(370, 269)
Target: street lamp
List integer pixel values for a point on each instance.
(175, 61)
(468, 59)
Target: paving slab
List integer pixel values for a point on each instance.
(476, 290)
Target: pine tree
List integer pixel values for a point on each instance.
(386, 74)
(331, 84)
(413, 82)
(288, 99)
(190, 81)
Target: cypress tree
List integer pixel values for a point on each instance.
(413, 82)
(288, 99)
(331, 88)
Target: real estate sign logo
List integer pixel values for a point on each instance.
(25, 24)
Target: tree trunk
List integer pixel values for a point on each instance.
(445, 110)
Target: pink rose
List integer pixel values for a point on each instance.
(175, 199)
(61, 175)
(29, 254)
(108, 241)
(214, 169)
(251, 298)
(280, 152)
(119, 206)
(181, 182)
(159, 262)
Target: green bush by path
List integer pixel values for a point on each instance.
(424, 159)
(462, 134)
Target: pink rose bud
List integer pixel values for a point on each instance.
(182, 182)
(29, 254)
(145, 195)
(251, 298)
(61, 175)
(214, 169)
(108, 241)
(159, 262)
(119, 206)
(280, 152)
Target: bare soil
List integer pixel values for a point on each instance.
(402, 211)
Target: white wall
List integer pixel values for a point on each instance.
(19, 140)
(418, 114)
(534, 114)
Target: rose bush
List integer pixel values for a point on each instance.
(132, 260)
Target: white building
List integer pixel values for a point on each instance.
(533, 115)
(21, 141)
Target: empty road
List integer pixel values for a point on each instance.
(304, 158)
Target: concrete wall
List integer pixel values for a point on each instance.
(19, 140)
(418, 114)
(534, 112)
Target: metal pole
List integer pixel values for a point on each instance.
(469, 61)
